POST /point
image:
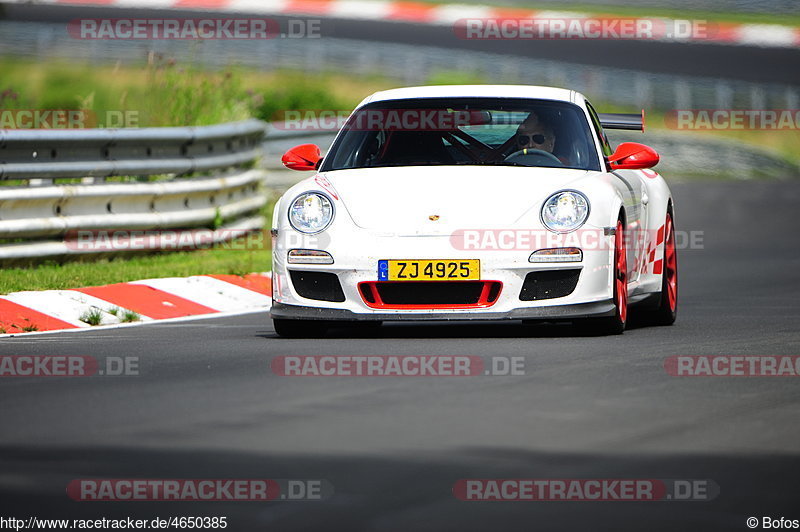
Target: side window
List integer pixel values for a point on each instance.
(599, 129)
(361, 148)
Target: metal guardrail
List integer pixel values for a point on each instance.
(227, 200)
(102, 153)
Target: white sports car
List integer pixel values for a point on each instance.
(474, 203)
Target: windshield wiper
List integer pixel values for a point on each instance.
(489, 163)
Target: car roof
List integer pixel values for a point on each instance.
(476, 91)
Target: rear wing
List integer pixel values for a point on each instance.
(633, 122)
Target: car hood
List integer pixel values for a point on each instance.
(402, 200)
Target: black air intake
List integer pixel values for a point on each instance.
(322, 286)
(549, 284)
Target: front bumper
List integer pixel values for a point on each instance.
(591, 296)
(552, 312)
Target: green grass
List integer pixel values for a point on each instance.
(92, 317)
(158, 93)
(130, 316)
(164, 93)
(126, 317)
(456, 77)
(220, 260)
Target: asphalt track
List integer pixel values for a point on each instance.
(206, 405)
(748, 63)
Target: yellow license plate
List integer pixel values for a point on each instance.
(429, 270)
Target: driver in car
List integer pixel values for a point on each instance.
(535, 134)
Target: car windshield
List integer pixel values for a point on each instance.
(465, 131)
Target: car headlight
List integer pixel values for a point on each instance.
(565, 211)
(311, 212)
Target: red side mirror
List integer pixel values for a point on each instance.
(633, 156)
(303, 157)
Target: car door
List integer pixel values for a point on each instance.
(631, 188)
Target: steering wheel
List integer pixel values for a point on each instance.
(541, 155)
(365, 152)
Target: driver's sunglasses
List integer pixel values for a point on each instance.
(538, 138)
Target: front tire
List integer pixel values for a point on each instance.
(299, 328)
(667, 310)
(615, 324)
